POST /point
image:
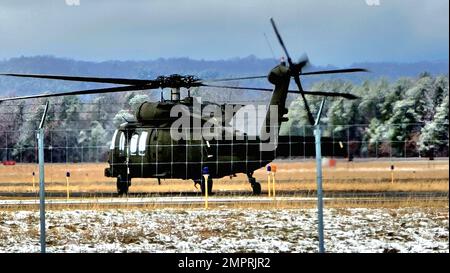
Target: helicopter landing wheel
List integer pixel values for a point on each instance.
(210, 185)
(256, 186)
(122, 186)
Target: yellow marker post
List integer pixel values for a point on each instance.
(273, 185)
(206, 176)
(34, 182)
(206, 190)
(274, 170)
(392, 174)
(67, 185)
(269, 173)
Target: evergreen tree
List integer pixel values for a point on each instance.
(394, 93)
(95, 140)
(435, 134)
(25, 145)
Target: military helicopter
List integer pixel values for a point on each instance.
(145, 147)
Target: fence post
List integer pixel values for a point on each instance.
(40, 137)
(318, 136)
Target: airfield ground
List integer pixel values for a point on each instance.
(364, 211)
(292, 177)
(228, 230)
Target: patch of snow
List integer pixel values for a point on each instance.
(227, 230)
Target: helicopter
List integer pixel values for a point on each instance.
(146, 147)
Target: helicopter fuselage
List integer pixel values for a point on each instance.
(146, 148)
(144, 151)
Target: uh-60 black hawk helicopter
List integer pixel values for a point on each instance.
(145, 148)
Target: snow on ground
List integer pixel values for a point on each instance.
(227, 230)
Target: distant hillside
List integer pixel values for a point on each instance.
(201, 68)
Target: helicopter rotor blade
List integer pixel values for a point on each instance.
(308, 110)
(241, 88)
(280, 40)
(83, 79)
(331, 94)
(296, 70)
(83, 92)
(304, 61)
(236, 79)
(336, 71)
(313, 93)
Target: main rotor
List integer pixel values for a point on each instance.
(175, 82)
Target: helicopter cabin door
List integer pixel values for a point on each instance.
(138, 156)
(119, 153)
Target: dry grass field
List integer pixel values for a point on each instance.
(367, 176)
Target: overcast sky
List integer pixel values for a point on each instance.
(329, 31)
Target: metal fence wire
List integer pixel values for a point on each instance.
(91, 145)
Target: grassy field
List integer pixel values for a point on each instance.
(375, 175)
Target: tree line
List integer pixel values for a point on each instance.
(406, 117)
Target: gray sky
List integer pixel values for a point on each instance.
(329, 31)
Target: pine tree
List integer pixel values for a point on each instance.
(69, 122)
(93, 139)
(435, 135)
(24, 147)
(394, 93)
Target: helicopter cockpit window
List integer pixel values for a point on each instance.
(122, 142)
(133, 144)
(142, 142)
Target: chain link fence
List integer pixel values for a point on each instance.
(90, 145)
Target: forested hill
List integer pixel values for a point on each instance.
(204, 69)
